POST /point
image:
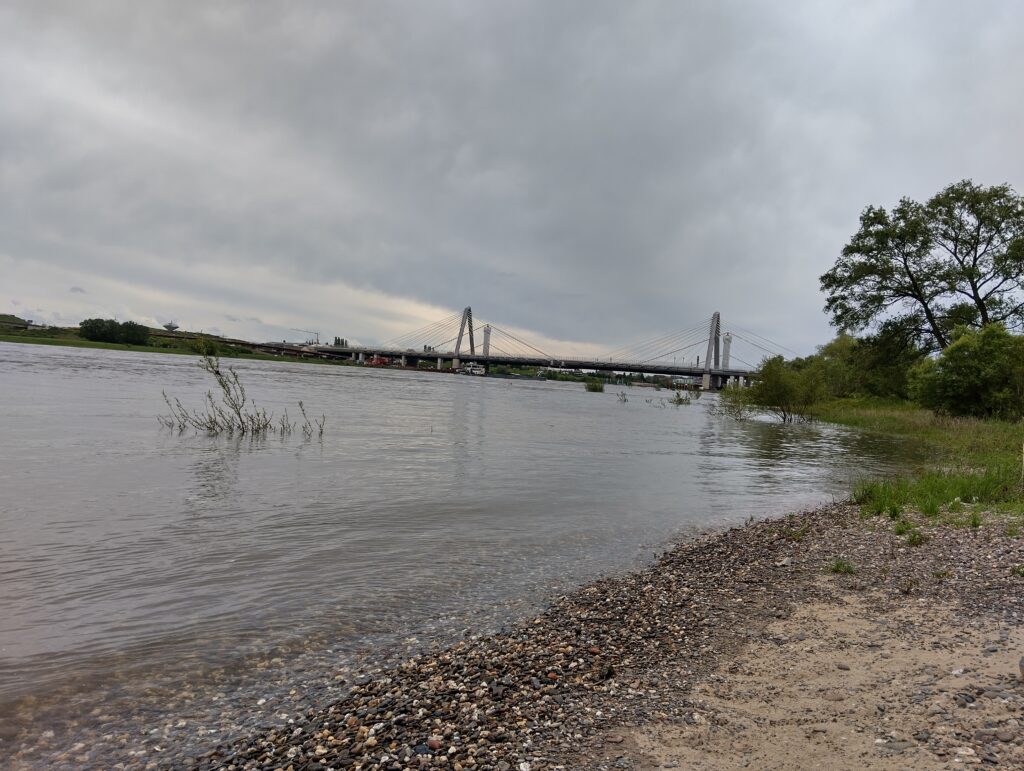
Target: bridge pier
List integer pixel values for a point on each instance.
(362, 358)
(403, 361)
(455, 364)
(439, 365)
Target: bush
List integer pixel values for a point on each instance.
(597, 386)
(981, 374)
(134, 334)
(112, 331)
(787, 390)
(100, 330)
(204, 346)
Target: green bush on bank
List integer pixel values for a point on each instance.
(112, 331)
(980, 374)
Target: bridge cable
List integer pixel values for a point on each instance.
(427, 329)
(677, 350)
(756, 345)
(656, 348)
(649, 343)
(521, 342)
(778, 346)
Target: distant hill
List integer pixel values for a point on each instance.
(7, 318)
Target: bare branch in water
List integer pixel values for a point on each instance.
(232, 413)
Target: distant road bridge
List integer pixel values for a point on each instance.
(453, 342)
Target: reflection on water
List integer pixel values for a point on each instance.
(135, 560)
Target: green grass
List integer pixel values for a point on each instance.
(797, 534)
(954, 466)
(902, 526)
(74, 342)
(841, 566)
(915, 537)
(1018, 571)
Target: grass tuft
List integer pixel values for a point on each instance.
(902, 526)
(916, 538)
(841, 566)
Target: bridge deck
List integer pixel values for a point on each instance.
(600, 365)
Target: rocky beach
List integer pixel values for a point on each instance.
(819, 639)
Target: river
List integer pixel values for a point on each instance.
(157, 578)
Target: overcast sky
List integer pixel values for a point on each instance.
(588, 172)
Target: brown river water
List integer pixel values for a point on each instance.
(205, 586)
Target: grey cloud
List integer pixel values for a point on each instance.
(77, 290)
(595, 171)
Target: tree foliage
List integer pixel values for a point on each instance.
(874, 365)
(956, 260)
(981, 374)
(134, 334)
(784, 389)
(111, 331)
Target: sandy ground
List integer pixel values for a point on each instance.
(838, 686)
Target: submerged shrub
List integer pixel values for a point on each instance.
(780, 388)
(234, 412)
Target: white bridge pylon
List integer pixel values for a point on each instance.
(467, 323)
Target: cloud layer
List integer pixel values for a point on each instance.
(592, 172)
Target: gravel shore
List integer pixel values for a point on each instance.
(719, 646)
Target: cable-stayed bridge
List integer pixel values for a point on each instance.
(701, 351)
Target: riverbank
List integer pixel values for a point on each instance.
(69, 342)
(822, 638)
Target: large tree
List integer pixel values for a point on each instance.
(956, 260)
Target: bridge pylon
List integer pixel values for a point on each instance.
(466, 323)
(714, 333)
